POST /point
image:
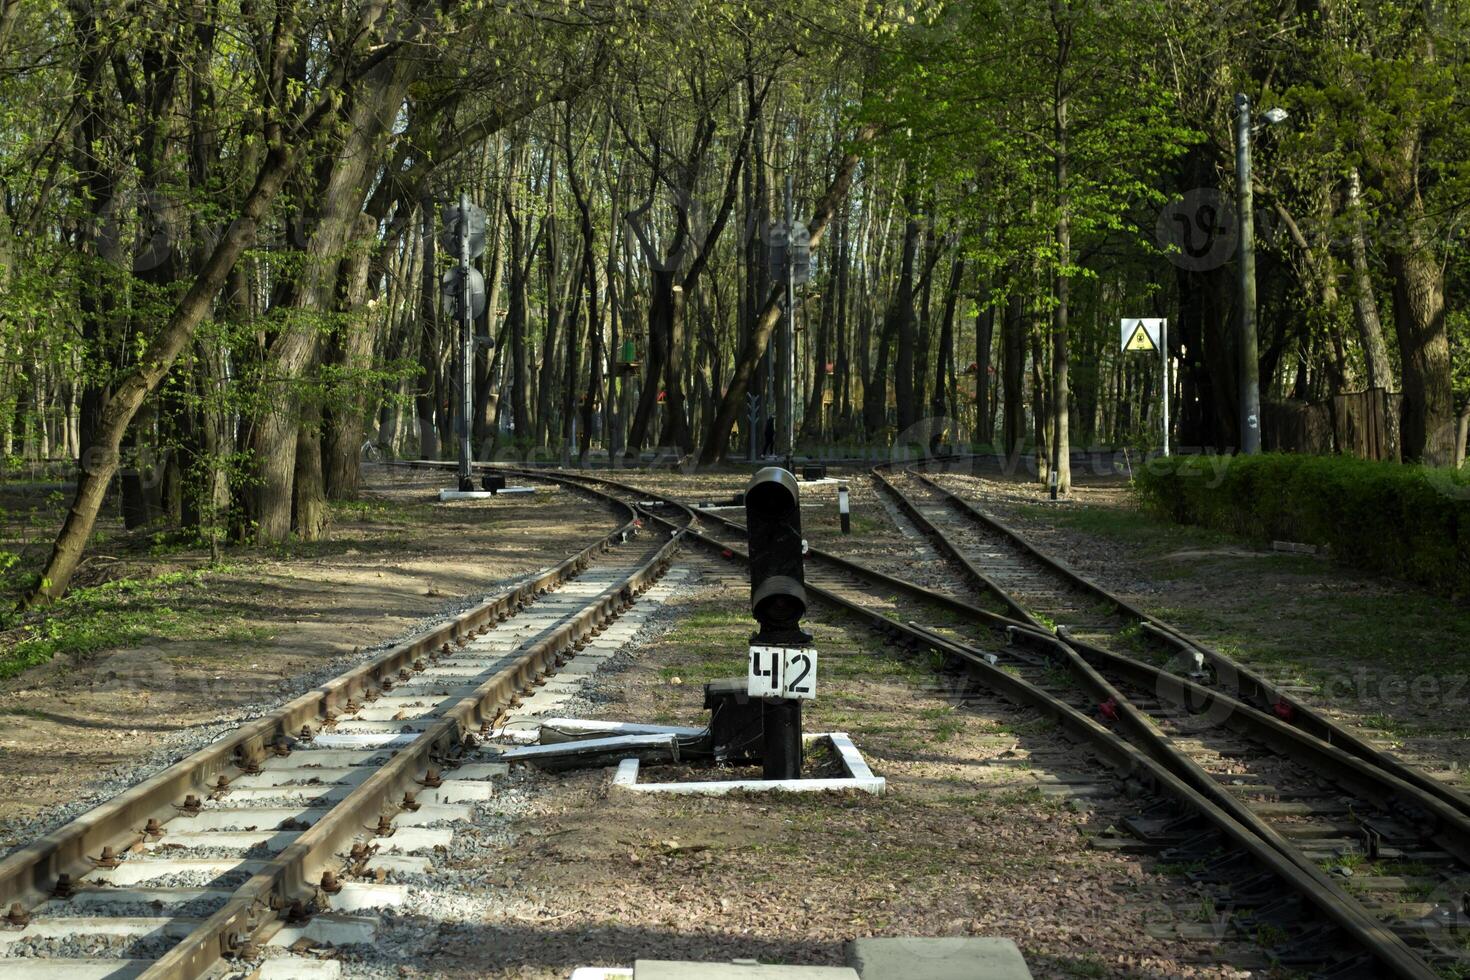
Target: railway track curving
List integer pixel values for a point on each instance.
(1269, 816)
(284, 827)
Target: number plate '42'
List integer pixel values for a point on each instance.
(782, 672)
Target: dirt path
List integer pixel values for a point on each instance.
(210, 648)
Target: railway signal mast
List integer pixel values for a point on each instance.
(790, 257)
(463, 289)
(782, 669)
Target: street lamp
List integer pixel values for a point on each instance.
(1250, 384)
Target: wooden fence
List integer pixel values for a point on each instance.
(1359, 423)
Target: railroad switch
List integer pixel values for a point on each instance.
(18, 916)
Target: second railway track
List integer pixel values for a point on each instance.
(1292, 801)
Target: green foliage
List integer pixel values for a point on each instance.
(123, 613)
(1407, 521)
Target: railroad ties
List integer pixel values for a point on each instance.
(1271, 820)
(300, 839)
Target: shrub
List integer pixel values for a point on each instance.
(1408, 521)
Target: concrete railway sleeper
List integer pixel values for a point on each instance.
(1213, 829)
(293, 819)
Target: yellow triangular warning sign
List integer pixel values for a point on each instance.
(1140, 340)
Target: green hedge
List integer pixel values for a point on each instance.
(1408, 521)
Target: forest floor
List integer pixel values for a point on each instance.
(160, 649)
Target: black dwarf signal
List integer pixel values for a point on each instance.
(778, 602)
(777, 575)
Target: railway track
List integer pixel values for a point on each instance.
(1247, 802)
(286, 827)
(1379, 834)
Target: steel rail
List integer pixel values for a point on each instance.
(250, 913)
(1252, 686)
(1133, 763)
(29, 874)
(1447, 827)
(1436, 820)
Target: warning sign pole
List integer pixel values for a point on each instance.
(1150, 335)
(1164, 352)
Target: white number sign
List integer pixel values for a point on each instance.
(782, 672)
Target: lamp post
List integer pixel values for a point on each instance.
(1250, 382)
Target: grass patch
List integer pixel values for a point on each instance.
(116, 615)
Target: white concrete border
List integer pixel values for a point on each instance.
(446, 495)
(859, 777)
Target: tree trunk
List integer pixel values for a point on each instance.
(944, 368)
(1427, 423)
(423, 399)
(1365, 301)
(1013, 375)
(352, 353)
(660, 318)
(132, 389)
(984, 340)
(903, 378)
(734, 399)
(308, 504)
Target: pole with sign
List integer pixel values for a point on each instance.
(1150, 334)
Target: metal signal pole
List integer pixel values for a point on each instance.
(788, 360)
(466, 346)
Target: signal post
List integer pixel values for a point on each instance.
(782, 669)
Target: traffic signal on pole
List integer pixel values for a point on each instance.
(777, 577)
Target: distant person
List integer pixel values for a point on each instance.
(769, 447)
